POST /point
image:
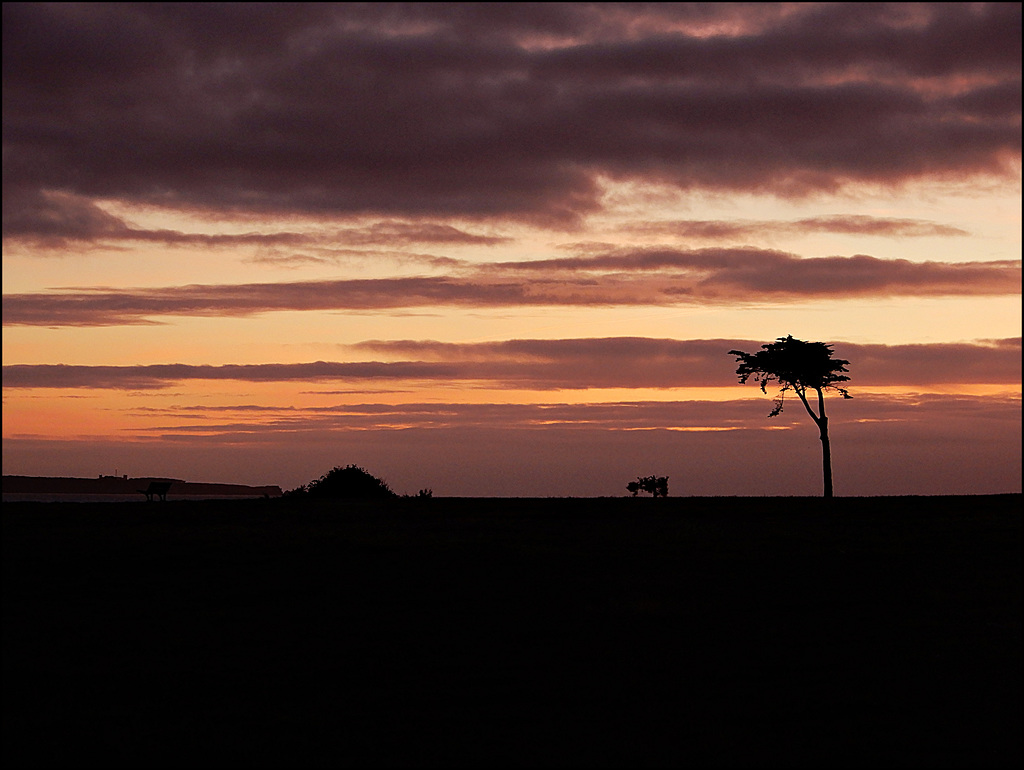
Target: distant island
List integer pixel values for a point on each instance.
(123, 485)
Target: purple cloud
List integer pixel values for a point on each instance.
(622, 362)
(495, 110)
(848, 224)
(625, 277)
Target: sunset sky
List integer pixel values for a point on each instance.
(504, 249)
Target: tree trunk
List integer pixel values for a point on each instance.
(826, 456)
(826, 450)
(822, 422)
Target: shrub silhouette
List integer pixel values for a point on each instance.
(656, 485)
(348, 482)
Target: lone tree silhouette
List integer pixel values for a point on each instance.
(798, 366)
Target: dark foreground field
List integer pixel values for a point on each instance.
(728, 632)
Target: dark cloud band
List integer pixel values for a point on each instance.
(626, 362)
(414, 110)
(651, 277)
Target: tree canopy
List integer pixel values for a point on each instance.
(795, 365)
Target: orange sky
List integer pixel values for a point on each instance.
(497, 254)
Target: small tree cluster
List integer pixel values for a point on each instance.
(348, 482)
(656, 485)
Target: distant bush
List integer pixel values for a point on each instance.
(348, 482)
(656, 485)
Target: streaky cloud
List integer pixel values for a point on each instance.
(847, 224)
(686, 416)
(618, 362)
(620, 278)
(57, 220)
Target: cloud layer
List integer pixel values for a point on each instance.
(628, 277)
(625, 362)
(493, 109)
